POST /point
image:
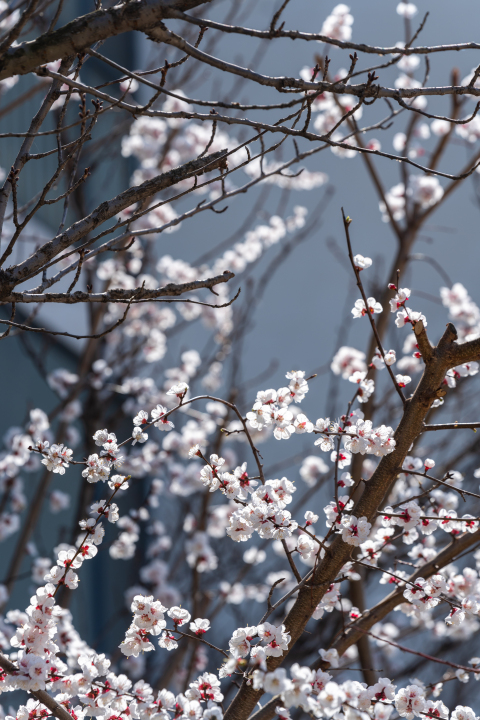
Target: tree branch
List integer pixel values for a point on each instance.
(89, 29)
(423, 342)
(452, 426)
(41, 695)
(117, 295)
(108, 209)
(465, 353)
(369, 618)
(365, 90)
(278, 127)
(52, 95)
(376, 490)
(317, 37)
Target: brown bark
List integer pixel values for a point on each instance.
(355, 632)
(79, 34)
(41, 695)
(28, 268)
(438, 360)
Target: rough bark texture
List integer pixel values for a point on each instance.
(11, 277)
(120, 295)
(355, 632)
(84, 31)
(438, 360)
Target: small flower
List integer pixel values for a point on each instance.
(456, 617)
(162, 423)
(179, 390)
(354, 613)
(141, 418)
(330, 656)
(406, 315)
(57, 458)
(136, 641)
(199, 626)
(118, 482)
(360, 309)
(355, 532)
(179, 615)
(60, 576)
(390, 357)
(407, 9)
(400, 298)
(167, 641)
(138, 435)
(302, 424)
(362, 263)
(310, 518)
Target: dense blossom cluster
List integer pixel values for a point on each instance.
(198, 480)
(316, 693)
(153, 323)
(253, 505)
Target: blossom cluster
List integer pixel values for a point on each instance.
(149, 619)
(204, 451)
(270, 408)
(47, 630)
(265, 513)
(273, 642)
(317, 694)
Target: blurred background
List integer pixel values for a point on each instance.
(295, 306)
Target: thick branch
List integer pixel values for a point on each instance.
(465, 353)
(365, 90)
(41, 695)
(87, 30)
(107, 210)
(382, 609)
(369, 618)
(423, 342)
(116, 295)
(376, 490)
